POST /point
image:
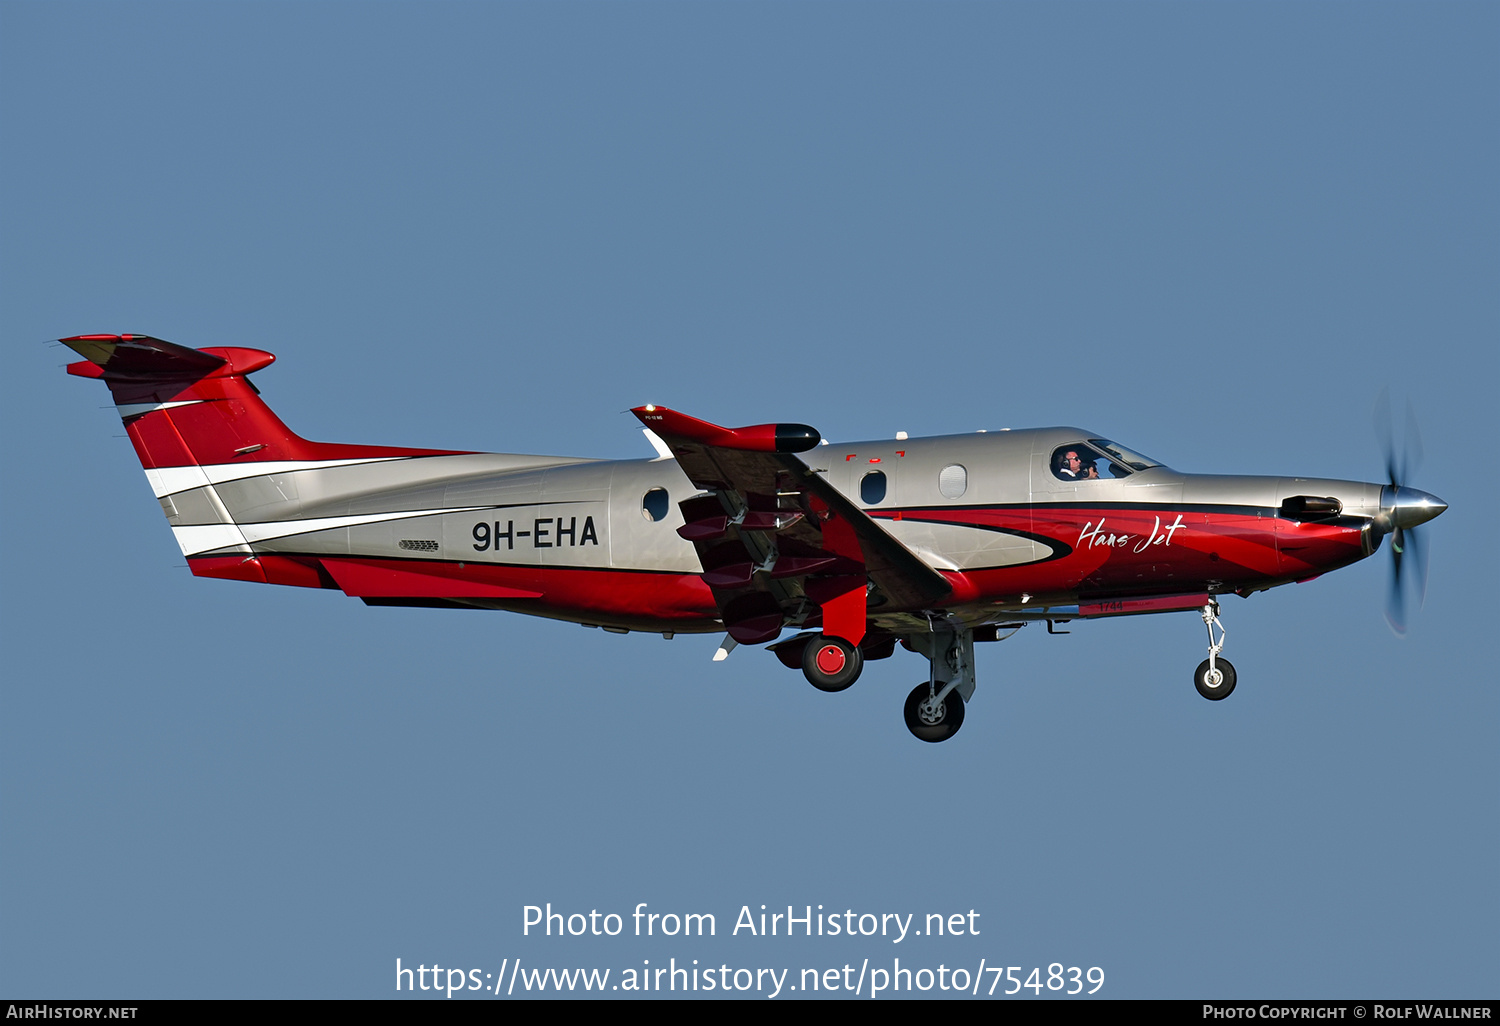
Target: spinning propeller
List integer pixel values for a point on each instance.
(1402, 509)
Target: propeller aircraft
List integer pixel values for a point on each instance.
(934, 544)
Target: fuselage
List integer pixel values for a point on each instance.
(596, 541)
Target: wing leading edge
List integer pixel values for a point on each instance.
(777, 542)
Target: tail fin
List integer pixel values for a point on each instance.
(196, 407)
(196, 421)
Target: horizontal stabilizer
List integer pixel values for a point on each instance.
(141, 356)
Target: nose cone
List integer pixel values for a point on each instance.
(1410, 506)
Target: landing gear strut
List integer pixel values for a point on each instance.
(1214, 677)
(935, 710)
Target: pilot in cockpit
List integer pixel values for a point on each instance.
(1072, 464)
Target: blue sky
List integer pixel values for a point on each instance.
(1213, 232)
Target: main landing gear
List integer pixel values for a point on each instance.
(934, 710)
(1214, 677)
(831, 664)
(931, 718)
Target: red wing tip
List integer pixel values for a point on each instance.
(755, 438)
(677, 423)
(653, 412)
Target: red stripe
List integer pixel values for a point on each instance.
(610, 594)
(1245, 546)
(378, 579)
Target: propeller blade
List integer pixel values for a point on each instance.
(1384, 437)
(1406, 544)
(1395, 600)
(1412, 458)
(1418, 550)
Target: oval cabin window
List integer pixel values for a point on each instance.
(953, 481)
(872, 487)
(655, 504)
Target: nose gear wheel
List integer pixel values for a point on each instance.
(1214, 682)
(932, 720)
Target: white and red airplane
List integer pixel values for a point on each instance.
(935, 543)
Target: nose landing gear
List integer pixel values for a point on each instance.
(1214, 677)
(931, 718)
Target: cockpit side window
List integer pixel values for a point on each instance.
(1080, 462)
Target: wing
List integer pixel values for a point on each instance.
(780, 545)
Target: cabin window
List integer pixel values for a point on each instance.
(872, 487)
(655, 504)
(953, 481)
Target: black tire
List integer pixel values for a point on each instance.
(1214, 692)
(944, 728)
(831, 664)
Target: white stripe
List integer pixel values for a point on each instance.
(169, 480)
(288, 528)
(207, 537)
(132, 409)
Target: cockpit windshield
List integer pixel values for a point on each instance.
(1132, 459)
